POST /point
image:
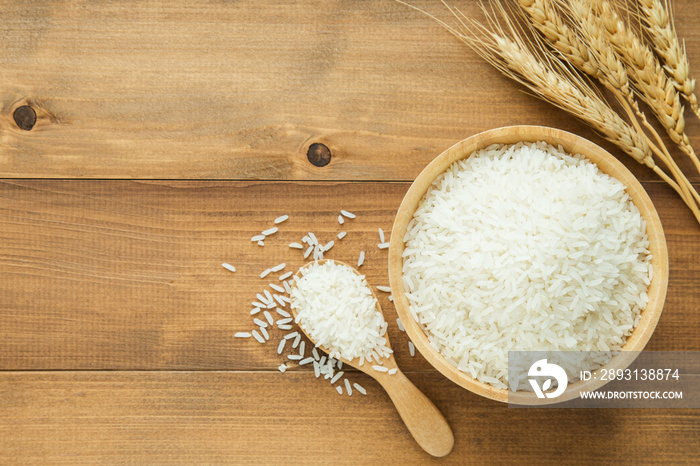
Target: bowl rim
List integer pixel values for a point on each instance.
(573, 144)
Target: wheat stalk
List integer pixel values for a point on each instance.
(589, 51)
(501, 43)
(503, 46)
(657, 20)
(611, 72)
(547, 20)
(654, 87)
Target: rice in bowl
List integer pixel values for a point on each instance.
(525, 248)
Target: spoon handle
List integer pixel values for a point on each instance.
(425, 422)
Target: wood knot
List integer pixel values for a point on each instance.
(25, 117)
(319, 154)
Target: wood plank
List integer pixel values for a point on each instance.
(127, 275)
(239, 418)
(236, 90)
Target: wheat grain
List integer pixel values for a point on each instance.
(546, 18)
(611, 72)
(505, 49)
(504, 44)
(657, 19)
(645, 71)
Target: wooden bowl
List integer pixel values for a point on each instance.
(574, 145)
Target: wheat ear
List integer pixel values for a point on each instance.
(657, 20)
(546, 19)
(589, 51)
(504, 47)
(645, 71)
(612, 74)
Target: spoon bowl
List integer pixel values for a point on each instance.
(423, 420)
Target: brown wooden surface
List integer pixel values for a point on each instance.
(239, 90)
(116, 318)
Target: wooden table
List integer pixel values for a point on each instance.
(167, 134)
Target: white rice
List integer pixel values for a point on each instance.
(297, 340)
(342, 234)
(293, 357)
(257, 238)
(361, 260)
(242, 335)
(228, 267)
(336, 308)
(268, 296)
(265, 273)
(393, 371)
(280, 347)
(348, 388)
(257, 336)
(264, 333)
(261, 243)
(296, 246)
(336, 377)
(277, 288)
(527, 248)
(306, 361)
(360, 388)
(260, 323)
(381, 235)
(284, 321)
(284, 327)
(308, 252)
(291, 335)
(340, 219)
(285, 276)
(400, 324)
(339, 389)
(270, 231)
(283, 313)
(269, 318)
(347, 214)
(383, 245)
(284, 299)
(411, 348)
(282, 368)
(262, 300)
(302, 348)
(384, 289)
(278, 267)
(380, 368)
(281, 219)
(255, 310)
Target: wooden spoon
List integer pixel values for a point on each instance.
(425, 423)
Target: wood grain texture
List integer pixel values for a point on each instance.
(127, 275)
(109, 287)
(266, 418)
(239, 90)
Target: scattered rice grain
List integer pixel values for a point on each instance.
(228, 267)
